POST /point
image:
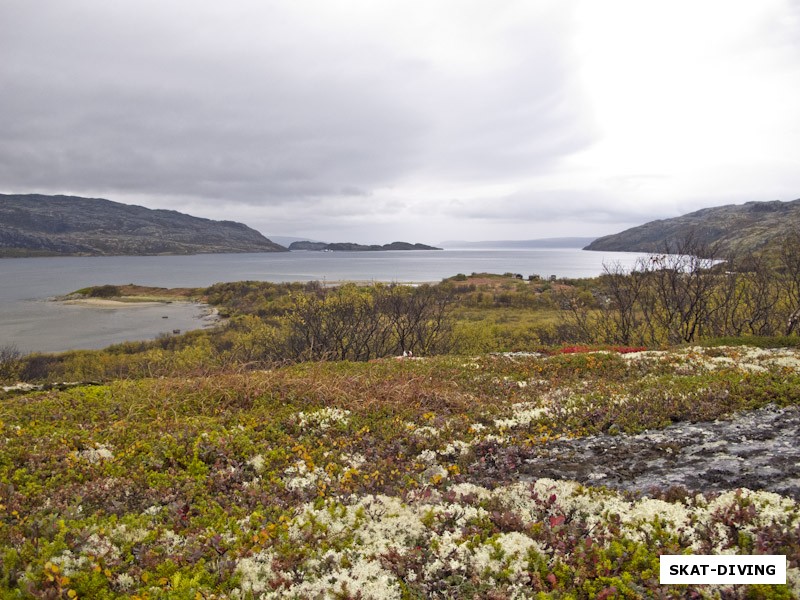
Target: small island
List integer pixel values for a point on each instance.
(352, 247)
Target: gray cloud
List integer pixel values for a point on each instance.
(104, 101)
(534, 206)
(258, 104)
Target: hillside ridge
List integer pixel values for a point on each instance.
(42, 225)
(753, 227)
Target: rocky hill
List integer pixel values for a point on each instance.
(38, 225)
(351, 247)
(753, 227)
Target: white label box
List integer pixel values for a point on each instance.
(723, 569)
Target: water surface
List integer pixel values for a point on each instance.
(33, 323)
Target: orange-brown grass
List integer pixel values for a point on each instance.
(142, 290)
(357, 387)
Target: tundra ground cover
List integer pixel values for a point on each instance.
(393, 478)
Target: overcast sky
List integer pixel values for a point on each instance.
(374, 120)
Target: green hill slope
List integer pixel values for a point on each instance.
(38, 225)
(748, 228)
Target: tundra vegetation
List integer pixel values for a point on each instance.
(288, 452)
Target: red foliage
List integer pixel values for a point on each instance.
(555, 521)
(629, 349)
(609, 592)
(574, 350)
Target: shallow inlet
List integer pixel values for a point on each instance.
(59, 326)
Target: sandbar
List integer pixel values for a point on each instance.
(108, 303)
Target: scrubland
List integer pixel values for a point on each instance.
(294, 453)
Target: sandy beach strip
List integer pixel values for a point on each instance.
(207, 312)
(109, 303)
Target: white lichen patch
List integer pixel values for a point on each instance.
(125, 582)
(455, 449)
(425, 432)
(522, 415)
(645, 355)
(426, 457)
(97, 454)
(324, 418)
(785, 361)
(361, 535)
(258, 463)
(129, 535)
(743, 358)
(69, 563)
(300, 477)
(172, 541)
(353, 461)
(434, 474)
(507, 554)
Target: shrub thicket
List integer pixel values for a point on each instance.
(681, 298)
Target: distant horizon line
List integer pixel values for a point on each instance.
(560, 241)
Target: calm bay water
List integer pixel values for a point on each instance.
(33, 323)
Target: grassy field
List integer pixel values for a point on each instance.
(395, 478)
